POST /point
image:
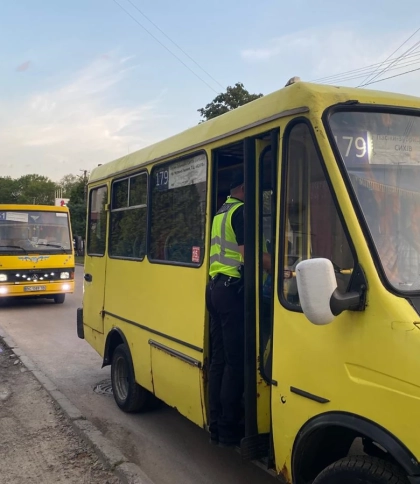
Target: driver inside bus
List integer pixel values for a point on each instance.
(48, 236)
(399, 247)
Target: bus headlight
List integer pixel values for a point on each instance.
(66, 287)
(65, 275)
(3, 277)
(3, 290)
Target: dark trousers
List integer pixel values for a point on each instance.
(225, 303)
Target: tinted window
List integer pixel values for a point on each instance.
(381, 153)
(36, 231)
(138, 191)
(120, 194)
(129, 218)
(97, 221)
(313, 227)
(178, 211)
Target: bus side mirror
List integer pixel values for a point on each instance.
(319, 297)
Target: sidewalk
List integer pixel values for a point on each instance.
(37, 442)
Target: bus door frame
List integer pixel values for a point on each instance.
(254, 445)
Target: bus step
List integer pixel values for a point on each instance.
(255, 446)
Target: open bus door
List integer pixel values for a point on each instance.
(260, 170)
(258, 157)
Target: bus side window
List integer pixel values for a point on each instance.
(96, 237)
(128, 219)
(312, 226)
(178, 211)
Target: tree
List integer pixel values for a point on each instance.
(34, 190)
(28, 189)
(67, 183)
(8, 190)
(227, 101)
(78, 205)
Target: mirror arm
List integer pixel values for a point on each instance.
(341, 302)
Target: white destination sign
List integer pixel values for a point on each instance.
(188, 172)
(395, 150)
(17, 216)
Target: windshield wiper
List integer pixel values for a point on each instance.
(57, 246)
(15, 247)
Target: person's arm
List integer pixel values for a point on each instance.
(266, 258)
(266, 261)
(238, 227)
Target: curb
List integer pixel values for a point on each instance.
(112, 458)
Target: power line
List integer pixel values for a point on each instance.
(356, 75)
(391, 77)
(164, 46)
(360, 72)
(174, 43)
(410, 57)
(402, 56)
(369, 78)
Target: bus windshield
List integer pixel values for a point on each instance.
(381, 153)
(34, 231)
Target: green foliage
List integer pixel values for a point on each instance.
(8, 190)
(77, 205)
(28, 189)
(36, 189)
(67, 183)
(231, 99)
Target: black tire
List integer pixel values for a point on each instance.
(128, 395)
(59, 298)
(361, 470)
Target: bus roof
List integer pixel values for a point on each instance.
(39, 208)
(297, 98)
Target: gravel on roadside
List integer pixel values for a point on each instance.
(37, 442)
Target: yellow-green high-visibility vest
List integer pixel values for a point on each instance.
(225, 257)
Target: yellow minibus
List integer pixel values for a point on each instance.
(36, 252)
(332, 347)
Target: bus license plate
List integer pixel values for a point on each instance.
(34, 288)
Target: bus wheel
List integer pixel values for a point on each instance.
(129, 396)
(59, 298)
(363, 469)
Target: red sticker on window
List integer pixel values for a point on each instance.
(195, 257)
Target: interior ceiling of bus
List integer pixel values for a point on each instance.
(229, 160)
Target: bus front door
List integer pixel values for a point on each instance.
(95, 260)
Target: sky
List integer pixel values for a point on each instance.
(83, 83)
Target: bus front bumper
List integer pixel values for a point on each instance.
(38, 289)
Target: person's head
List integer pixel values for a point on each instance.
(237, 186)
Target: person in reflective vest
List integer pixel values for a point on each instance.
(225, 303)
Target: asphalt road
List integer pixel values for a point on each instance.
(167, 446)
